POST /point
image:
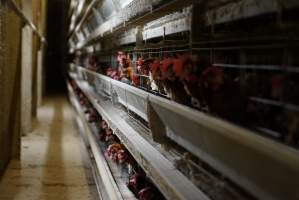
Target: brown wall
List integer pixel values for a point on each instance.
(10, 65)
(19, 48)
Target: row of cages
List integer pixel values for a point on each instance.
(203, 136)
(226, 92)
(155, 165)
(116, 154)
(120, 161)
(260, 94)
(111, 16)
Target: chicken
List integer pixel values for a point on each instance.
(143, 70)
(147, 193)
(83, 101)
(106, 133)
(109, 136)
(113, 73)
(102, 134)
(103, 124)
(139, 64)
(137, 182)
(155, 77)
(175, 88)
(143, 188)
(125, 69)
(112, 151)
(135, 80)
(122, 156)
(93, 116)
(223, 96)
(120, 56)
(118, 153)
(187, 72)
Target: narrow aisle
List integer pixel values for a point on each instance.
(53, 163)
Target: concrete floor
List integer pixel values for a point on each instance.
(54, 165)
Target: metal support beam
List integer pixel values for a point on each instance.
(11, 4)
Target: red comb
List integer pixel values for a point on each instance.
(155, 66)
(179, 63)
